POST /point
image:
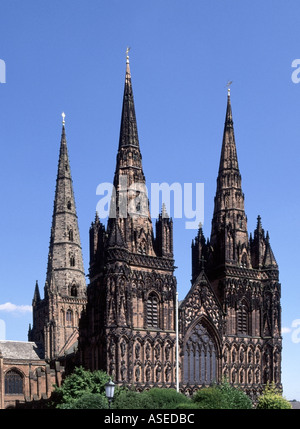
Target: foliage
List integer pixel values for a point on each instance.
(159, 398)
(86, 389)
(209, 397)
(187, 405)
(155, 398)
(78, 383)
(222, 396)
(272, 399)
(87, 401)
(234, 397)
(127, 399)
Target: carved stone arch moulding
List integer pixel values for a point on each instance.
(16, 370)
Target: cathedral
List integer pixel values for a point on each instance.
(127, 320)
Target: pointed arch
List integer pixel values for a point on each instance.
(14, 382)
(201, 353)
(69, 317)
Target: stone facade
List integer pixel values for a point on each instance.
(229, 323)
(231, 319)
(124, 321)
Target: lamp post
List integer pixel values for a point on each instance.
(177, 345)
(109, 391)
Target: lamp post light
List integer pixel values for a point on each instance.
(109, 391)
(177, 345)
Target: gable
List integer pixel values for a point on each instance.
(200, 301)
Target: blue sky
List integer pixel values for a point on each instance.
(70, 56)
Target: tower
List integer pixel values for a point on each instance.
(129, 324)
(56, 316)
(236, 289)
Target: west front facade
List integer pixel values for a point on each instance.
(124, 321)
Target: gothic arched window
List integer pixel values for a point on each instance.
(152, 311)
(200, 357)
(13, 383)
(69, 317)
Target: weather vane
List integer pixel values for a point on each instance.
(127, 52)
(63, 116)
(228, 86)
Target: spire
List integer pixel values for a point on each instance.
(65, 285)
(128, 131)
(229, 224)
(130, 205)
(65, 247)
(228, 159)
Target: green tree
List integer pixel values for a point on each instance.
(209, 398)
(77, 384)
(155, 398)
(127, 399)
(234, 397)
(160, 398)
(87, 401)
(272, 399)
(222, 396)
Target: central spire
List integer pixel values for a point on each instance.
(229, 224)
(130, 218)
(128, 131)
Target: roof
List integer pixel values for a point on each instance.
(295, 405)
(21, 350)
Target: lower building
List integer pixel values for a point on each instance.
(25, 376)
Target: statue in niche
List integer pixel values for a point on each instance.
(148, 350)
(158, 372)
(137, 373)
(148, 373)
(137, 350)
(157, 351)
(123, 370)
(123, 348)
(168, 372)
(167, 351)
